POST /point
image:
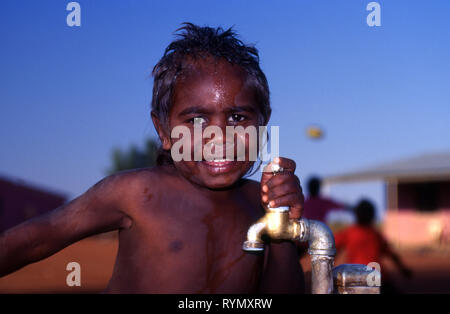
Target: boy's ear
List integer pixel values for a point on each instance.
(163, 136)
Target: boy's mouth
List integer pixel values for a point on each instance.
(218, 166)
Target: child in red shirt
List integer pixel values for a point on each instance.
(364, 244)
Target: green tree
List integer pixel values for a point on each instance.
(134, 157)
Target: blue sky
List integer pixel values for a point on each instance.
(69, 95)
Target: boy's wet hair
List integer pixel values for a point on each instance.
(200, 42)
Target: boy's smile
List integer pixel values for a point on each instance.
(213, 93)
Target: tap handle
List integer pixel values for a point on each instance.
(277, 169)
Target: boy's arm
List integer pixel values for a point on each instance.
(98, 210)
(282, 272)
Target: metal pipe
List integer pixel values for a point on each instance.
(322, 251)
(356, 279)
(321, 274)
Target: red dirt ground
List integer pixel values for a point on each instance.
(96, 256)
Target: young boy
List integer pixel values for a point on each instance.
(182, 224)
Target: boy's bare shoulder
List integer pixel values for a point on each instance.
(129, 180)
(125, 185)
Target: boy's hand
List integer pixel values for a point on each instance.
(282, 188)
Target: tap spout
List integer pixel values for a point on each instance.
(277, 225)
(254, 242)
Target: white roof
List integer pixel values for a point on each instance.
(431, 166)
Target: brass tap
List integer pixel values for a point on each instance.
(275, 224)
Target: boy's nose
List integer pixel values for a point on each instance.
(218, 137)
(218, 145)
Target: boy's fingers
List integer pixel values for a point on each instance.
(265, 198)
(296, 212)
(285, 163)
(281, 178)
(282, 186)
(280, 190)
(292, 200)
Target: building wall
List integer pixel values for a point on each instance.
(424, 196)
(422, 218)
(19, 202)
(409, 228)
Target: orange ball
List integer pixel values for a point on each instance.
(314, 132)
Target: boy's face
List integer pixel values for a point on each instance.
(213, 92)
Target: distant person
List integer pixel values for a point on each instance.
(316, 206)
(363, 244)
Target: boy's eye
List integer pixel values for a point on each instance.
(236, 118)
(195, 120)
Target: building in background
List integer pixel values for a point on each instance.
(20, 201)
(417, 198)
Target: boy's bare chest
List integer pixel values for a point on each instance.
(214, 230)
(195, 246)
(211, 219)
